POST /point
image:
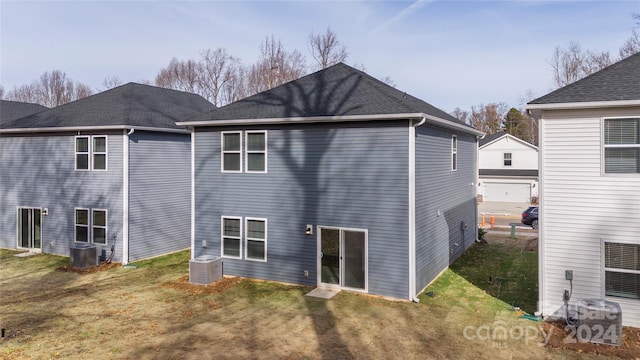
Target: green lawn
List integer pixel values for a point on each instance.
(503, 269)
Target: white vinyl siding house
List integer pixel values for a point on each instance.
(590, 197)
(508, 169)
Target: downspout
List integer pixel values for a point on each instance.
(193, 193)
(125, 197)
(412, 208)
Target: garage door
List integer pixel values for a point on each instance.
(507, 192)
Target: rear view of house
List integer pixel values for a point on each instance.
(110, 170)
(590, 190)
(335, 180)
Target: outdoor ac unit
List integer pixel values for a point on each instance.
(83, 256)
(205, 269)
(599, 321)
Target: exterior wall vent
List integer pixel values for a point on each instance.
(599, 321)
(83, 256)
(205, 269)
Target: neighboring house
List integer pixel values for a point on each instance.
(111, 169)
(336, 180)
(12, 110)
(508, 169)
(590, 189)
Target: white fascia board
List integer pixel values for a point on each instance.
(90, 128)
(332, 119)
(512, 138)
(583, 105)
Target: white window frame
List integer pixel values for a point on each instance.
(87, 226)
(222, 237)
(105, 227)
(247, 238)
(454, 152)
(504, 159)
(606, 269)
(87, 153)
(604, 146)
(247, 151)
(90, 153)
(222, 151)
(94, 153)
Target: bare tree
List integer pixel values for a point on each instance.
(275, 67)
(110, 82)
(218, 68)
(488, 118)
(179, 75)
(460, 115)
(52, 89)
(632, 45)
(1, 92)
(326, 50)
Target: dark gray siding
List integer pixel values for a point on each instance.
(160, 193)
(346, 175)
(445, 199)
(38, 171)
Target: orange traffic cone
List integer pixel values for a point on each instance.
(484, 223)
(492, 221)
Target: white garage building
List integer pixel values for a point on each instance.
(508, 169)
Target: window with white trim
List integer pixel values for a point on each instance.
(622, 270)
(231, 237)
(454, 152)
(256, 239)
(91, 226)
(622, 146)
(231, 151)
(91, 153)
(506, 159)
(99, 226)
(82, 152)
(82, 225)
(256, 151)
(99, 153)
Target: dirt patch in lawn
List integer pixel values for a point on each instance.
(89, 270)
(183, 284)
(562, 339)
(531, 245)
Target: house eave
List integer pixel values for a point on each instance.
(582, 105)
(90, 128)
(334, 119)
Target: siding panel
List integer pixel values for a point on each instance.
(38, 171)
(160, 194)
(444, 200)
(348, 175)
(581, 207)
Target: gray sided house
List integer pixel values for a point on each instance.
(334, 180)
(112, 169)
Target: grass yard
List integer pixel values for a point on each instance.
(151, 312)
(505, 268)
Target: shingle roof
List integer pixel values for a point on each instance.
(508, 172)
(12, 110)
(489, 138)
(339, 90)
(127, 105)
(620, 81)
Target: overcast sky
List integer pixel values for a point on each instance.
(448, 53)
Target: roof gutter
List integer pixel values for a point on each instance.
(422, 117)
(582, 105)
(91, 128)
